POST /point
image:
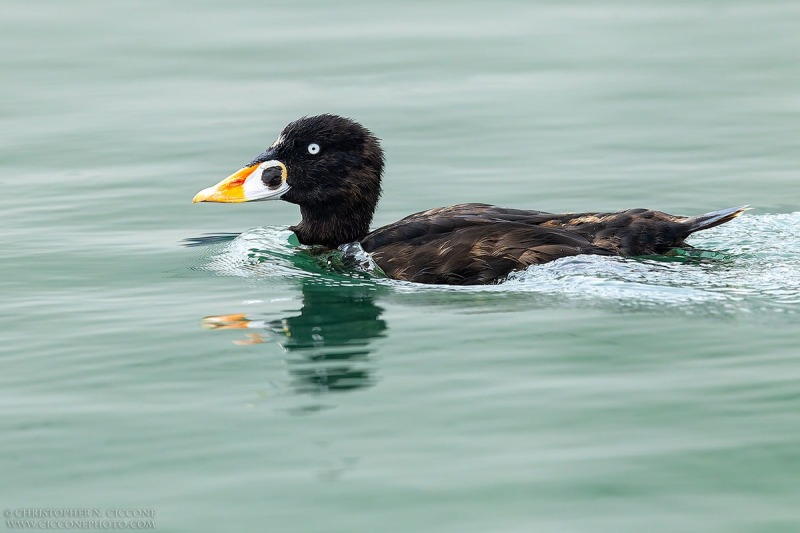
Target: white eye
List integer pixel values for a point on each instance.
(313, 148)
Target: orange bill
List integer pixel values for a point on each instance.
(229, 190)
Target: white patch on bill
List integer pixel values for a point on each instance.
(268, 164)
(256, 189)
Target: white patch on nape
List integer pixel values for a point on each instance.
(277, 142)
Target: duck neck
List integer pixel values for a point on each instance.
(331, 227)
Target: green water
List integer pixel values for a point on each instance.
(592, 394)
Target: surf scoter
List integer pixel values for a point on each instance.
(331, 167)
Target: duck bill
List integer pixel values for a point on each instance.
(229, 190)
(261, 180)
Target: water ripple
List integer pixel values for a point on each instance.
(754, 266)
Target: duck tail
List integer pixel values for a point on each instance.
(714, 218)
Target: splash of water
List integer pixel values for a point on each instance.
(756, 262)
(271, 252)
(754, 266)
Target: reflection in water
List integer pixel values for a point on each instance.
(328, 342)
(209, 238)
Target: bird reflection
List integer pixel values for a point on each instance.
(328, 342)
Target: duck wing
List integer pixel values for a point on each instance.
(443, 220)
(471, 244)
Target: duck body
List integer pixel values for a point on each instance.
(474, 244)
(332, 166)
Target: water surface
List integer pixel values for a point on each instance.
(241, 385)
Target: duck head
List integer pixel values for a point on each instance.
(330, 166)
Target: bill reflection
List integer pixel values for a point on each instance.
(328, 342)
